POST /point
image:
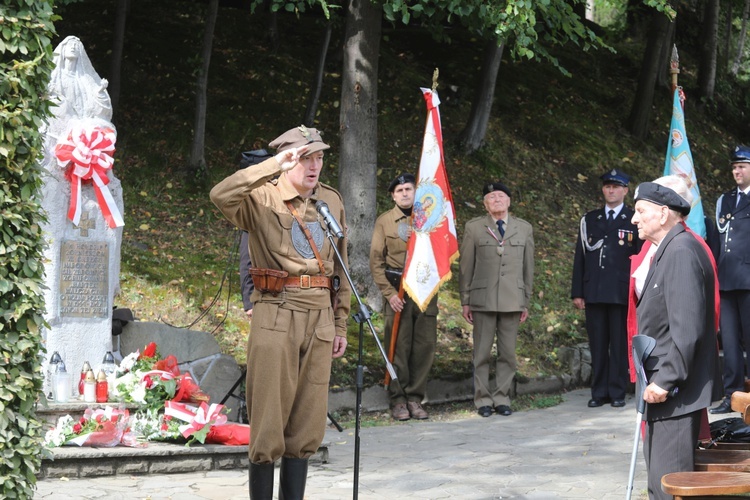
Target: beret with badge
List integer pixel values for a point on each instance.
(662, 196)
(495, 186)
(298, 137)
(402, 179)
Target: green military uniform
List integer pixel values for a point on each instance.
(290, 345)
(497, 287)
(417, 332)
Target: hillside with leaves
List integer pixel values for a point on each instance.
(549, 139)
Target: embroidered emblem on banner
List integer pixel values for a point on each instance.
(299, 240)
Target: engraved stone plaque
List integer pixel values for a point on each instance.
(84, 280)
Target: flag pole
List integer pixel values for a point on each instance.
(397, 316)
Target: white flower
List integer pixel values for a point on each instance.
(138, 393)
(128, 361)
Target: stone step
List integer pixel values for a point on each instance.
(155, 458)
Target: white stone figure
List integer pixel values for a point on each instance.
(82, 262)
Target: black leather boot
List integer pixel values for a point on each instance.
(261, 481)
(293, 477)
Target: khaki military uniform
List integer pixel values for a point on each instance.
(417, 332)
(497, 288)
(290, 346)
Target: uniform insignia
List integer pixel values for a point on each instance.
(613, 172)
(299, 240)
(722, 220)
(621, 242)
(404, 230)
(621, 234)
(590, 240)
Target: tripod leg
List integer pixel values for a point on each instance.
(335, 424)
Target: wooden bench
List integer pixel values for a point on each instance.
(699, 484)
(721, 472)
(725, 460)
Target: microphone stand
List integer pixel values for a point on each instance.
(361, 317)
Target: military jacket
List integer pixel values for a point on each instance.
(601, 267)
(495, 280)
(252, 200)
(733, 223)
(388, 248)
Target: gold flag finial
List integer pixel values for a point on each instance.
(434, 79)
(674, 66)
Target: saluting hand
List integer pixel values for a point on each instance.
(289, 158)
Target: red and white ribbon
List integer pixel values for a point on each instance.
(86, 154)
(196, 418)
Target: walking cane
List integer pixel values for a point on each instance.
(642, 347)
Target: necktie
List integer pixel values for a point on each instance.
(611, 216)
(501, 228)
(741, 198)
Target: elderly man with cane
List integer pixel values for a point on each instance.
(675, 288)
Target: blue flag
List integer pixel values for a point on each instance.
(679, 162)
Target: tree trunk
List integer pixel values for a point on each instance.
(472, 136)
(115, 64)
(636, 18)
(197, 163)
(708, 51)
(359, 135)
(315, 89)
(741, 40)
(640, 113)
(727, 37)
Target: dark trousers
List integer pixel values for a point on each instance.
(608, 342)
(735, 338)
(669, 447)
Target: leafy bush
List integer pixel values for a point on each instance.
(25, 66)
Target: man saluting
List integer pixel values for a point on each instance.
(296, 326)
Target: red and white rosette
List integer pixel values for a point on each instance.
(196, 417)
(86, 156)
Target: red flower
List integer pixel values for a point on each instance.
(82, 421)
(99, 418)
(149, 351)
(164, 427)
(167, 418)
(77, 428)
(149, 382)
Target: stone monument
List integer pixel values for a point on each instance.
(83, 202)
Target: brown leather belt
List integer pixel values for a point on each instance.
(307, 281)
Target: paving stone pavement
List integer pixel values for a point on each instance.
(569, 451)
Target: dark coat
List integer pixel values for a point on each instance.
(601, 276)
(676, 309)
(733, 222)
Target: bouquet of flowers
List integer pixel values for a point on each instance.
(197, 420)
(102, 427)
(153, 425)
(147, 379)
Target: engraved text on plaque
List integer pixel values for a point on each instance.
(84, 280)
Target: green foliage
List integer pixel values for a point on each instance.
(25, 64)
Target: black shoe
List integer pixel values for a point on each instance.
(724, 407)
(485, 411)
(618, 403)
(503, 410)
(597, 402)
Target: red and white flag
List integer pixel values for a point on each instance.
(433, 245)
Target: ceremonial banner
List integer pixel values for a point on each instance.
(433, 244)
(679, 162)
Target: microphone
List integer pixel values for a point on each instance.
(333, 226)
